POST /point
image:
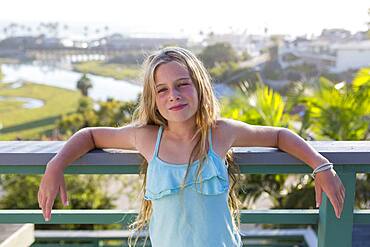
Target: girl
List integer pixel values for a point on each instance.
(188, 200)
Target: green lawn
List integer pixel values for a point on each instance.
(117, 71)
(16, 121)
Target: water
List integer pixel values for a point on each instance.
(103, 87)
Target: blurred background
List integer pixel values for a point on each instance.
(66, 65)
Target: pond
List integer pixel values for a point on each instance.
(103, 87)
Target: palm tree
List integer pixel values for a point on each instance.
(263, 107)
(5, 31)
(84, 84)
(341, 111)
(12, 27)
(335, 111)
(86, 31)
(97, 31)
(106, 29)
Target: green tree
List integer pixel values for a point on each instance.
(84, 192)
(305, 72)
(245, 56)
(231, 72)
(262, 107)
(107, 113)
(328, 109)
(272, 70)
(84, 84)
(218, 53)
(335, 111)
(341, 111)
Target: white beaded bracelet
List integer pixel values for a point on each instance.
(322, 167)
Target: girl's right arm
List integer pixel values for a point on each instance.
(79, 144)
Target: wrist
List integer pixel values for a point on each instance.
(318, 161)
(55, 166)
(323, 167)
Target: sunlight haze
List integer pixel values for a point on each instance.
(190, 17)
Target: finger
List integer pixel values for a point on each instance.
(318, 194)
(341, 203)
(63, 194)
(341, 199)
(334, 201)
(48, 207)
(342, 195)
(39, 198)
(343, 190)
(43, 202)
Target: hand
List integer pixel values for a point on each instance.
(329, 182)
(51, 183)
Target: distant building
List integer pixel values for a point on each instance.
(336, 50)
(335, 34)
(120, 42)
(30, 42)
(351, 55)
(237, 41)
(19, 42)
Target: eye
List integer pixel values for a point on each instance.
(184, 84)
(161, 90)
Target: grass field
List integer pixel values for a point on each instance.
(19, 122)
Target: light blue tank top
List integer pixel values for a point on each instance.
(199, 214)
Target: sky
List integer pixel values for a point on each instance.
(294, 17)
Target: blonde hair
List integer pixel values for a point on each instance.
(206, 116)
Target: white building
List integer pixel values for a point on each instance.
(333, 57)
(351, 55)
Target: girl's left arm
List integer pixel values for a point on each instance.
(266, 136)
(327, 181)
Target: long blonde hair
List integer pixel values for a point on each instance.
(205, 118)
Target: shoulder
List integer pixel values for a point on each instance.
(146, 137)
(226, 133)
(221, 139)
(226, 129)
(143, 133)
(242, 134)
(146, 129)
(226, 126)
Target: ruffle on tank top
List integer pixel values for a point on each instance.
(168, 178)
(164, 179)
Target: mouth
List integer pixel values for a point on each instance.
(178, 107)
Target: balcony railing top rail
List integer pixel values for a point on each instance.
(349, 158)
(32, 156)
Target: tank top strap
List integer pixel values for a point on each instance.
(210, 138)
(160, 130)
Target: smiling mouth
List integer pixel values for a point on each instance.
(177, 108)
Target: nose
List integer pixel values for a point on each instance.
(174, 94)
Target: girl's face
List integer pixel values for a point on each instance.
(176, 96)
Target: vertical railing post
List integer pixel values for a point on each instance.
(333, 231)
(96, 243)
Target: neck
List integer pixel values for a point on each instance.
(182, 130)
